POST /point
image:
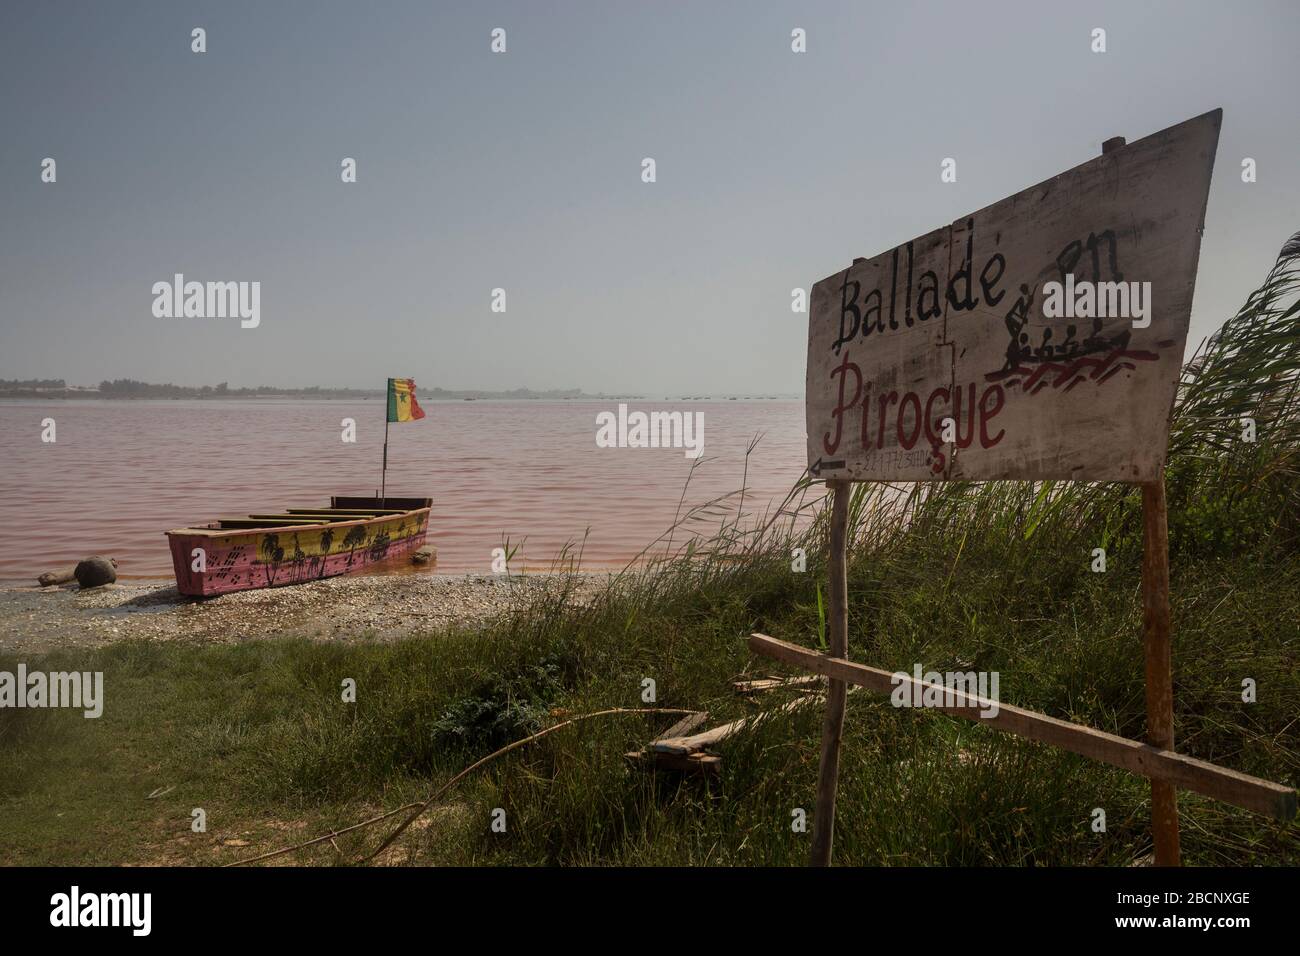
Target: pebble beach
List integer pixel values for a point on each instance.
(38, 620)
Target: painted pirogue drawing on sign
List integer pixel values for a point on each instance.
(273, 549)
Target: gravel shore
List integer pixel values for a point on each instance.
(37, 620)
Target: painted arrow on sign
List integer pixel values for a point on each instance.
(816, 467)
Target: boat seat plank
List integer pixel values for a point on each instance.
(356, 512)
(383, 503)
(302, 518)
(268, 522)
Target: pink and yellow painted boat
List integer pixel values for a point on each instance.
(273, 549)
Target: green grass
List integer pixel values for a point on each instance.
(985, 577)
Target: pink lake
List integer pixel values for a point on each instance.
(123, 472)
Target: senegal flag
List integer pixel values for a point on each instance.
(402, 406)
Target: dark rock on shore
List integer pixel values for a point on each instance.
(96, 571)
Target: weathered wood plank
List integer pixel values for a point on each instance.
(686, 725)
(385, 503)
(709, 738)
(301, 517)
(697, 762)
(761, 685)
(828, 770)
(268, 522)
(357, 512)
(1159, 664)
(1239, 789)
(688, 763)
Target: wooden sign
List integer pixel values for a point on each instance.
(1038, 338)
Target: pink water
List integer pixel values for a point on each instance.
(123, 472)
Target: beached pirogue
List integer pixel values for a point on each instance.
(269, 549)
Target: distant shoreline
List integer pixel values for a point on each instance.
(94, 396)
(307, 396)
(129, 389)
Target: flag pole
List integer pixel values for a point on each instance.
(383, 474)
(383, 478)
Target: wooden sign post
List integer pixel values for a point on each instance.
(1038, 339)
(838, 642)
(1159, 664)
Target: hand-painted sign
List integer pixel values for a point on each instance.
(1039, 338)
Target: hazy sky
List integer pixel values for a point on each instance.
(523, 171)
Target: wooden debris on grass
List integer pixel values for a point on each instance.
(750, 688)
(675, 750)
